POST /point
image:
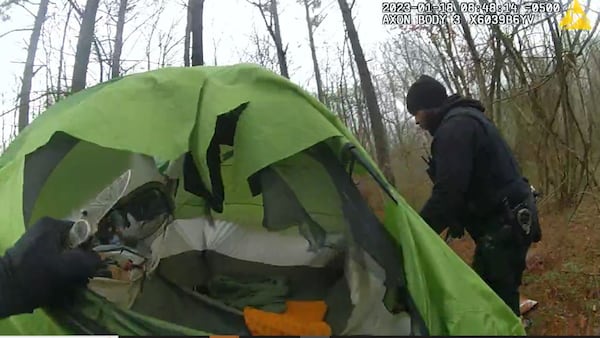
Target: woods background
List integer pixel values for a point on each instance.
(539, 83)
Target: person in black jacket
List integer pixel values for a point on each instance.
(38, 271)
(477, 186)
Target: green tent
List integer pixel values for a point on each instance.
(257, 151)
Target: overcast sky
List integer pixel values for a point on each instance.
(228, 25)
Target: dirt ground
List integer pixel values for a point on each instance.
(563, 272)
(563, 269)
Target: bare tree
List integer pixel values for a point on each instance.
(197, 9)
(166, 45)
(61, 58)
(476, 59)
(379, 133)
(150, 40)
(215, 49)
(260, 51)
(312, 22)
(118, 47)
(272, 23)
(188, 33)
(28, 71)
(84, 45)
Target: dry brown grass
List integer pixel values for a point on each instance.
(563, 270)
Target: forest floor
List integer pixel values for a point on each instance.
(563, 269)
(563, 272)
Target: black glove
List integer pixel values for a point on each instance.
(39, 271)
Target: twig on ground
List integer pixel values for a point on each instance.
(592, 274)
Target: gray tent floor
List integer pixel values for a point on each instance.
(168, 294)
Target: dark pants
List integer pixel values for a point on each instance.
(500, 262)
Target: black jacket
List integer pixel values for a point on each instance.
(471, 167)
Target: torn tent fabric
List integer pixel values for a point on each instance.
(256, 157)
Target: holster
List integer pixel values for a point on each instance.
(522, 219)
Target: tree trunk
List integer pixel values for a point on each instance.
(275, 32)
(3, 135)
(365, 131)
(100, 60)
(495, 83)
(84, 45)
(379, 134)
(215, 52)
(278, 42)
(479, 76)
(61, 58)
(188, 31)
(116, 59)
(313, 51)
(197, 47)
(28, 71)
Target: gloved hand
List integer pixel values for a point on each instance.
(39, 271)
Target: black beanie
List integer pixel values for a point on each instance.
(425, 93)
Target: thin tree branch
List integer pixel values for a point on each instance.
(14, 31)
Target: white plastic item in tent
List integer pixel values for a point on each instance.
(143, 171)
(124, 292)
(244, 243)
(175, 168)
